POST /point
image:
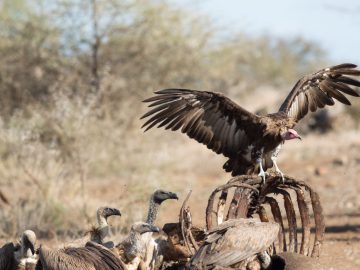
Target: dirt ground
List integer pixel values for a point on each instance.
(332, 169)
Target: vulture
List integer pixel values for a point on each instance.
(152, 255)
(98, 234)
(156, 200)
(19, 256)
(92, 256)
(236, 243)
(250, 142)
(102, 230)
(133, 248)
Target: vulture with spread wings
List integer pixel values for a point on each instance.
(250, 142)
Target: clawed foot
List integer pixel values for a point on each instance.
(263, 175)
(282, 175)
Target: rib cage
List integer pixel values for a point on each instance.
(250, 198)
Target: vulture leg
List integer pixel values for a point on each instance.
(259, 162)
(274, 158)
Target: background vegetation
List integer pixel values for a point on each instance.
(72, 77)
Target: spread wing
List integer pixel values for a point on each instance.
(320, 89)
(234, 242)
(210, 118)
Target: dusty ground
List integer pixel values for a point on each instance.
(329, 163)
(332, 169)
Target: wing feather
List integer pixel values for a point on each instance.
(7, 259)
(318, 90)
(234, 241)
(210, 118)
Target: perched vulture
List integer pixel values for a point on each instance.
(98, 234)
(250, 142)
(236, 243)
(153, 254)
(132, 249)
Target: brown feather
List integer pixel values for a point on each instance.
(320, 88)
(343, 87)
(234, 241)
(348, 80)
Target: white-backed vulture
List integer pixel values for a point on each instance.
(98, 234)
(21, 255)
(132, 248)
(156, 200)
(101, 231)
(236, 243)
(153, 256)
(92, 256)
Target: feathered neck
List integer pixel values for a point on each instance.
(153, 210)
(134, 246)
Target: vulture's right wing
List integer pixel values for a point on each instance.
(210, 118)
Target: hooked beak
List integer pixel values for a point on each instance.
(116, 212)
(112, 212)
(32, 248)
(151, 228)
(299, 137)
(173, 196)
(29, 244)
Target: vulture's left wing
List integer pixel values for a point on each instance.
(319, 89)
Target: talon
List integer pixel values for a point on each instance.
(282, 176)
(263, 175)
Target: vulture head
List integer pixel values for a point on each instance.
(290, 134)
(161, 195)
(27, 242)
(108, 211)
(142, 227)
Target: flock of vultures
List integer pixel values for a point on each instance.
(233, 238)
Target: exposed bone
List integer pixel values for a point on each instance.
(291, 217)
(275, 210)
(262, 214)
(245, 202)
(209, 209)
(319, 223)
(221, 206)
(185, 225)
(305, 220)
